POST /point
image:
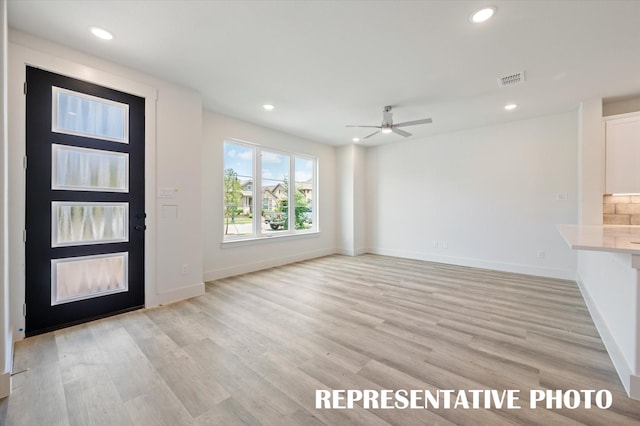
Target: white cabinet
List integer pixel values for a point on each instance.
(622, 164)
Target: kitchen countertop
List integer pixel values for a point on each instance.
(614, 238)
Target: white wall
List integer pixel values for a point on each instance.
(222, 260)
(488, 195)
(591, 160)
(351, 196)
(345, 198)
(6, 347)
(173, 126)
(359, 199)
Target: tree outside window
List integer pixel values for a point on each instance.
(232, 197)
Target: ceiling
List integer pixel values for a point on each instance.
(326, 64)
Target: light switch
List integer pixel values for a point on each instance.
(166, 192)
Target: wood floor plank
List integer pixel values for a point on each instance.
(228, 413)
(94, 400)
(79, 353)
(193, 386)
(158, 407)
(129, 369)
(239, 379)
(36, 351)
(38, 397)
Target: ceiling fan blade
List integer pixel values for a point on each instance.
(400, 132)
(413, 123)
(356, 125)
(374, 133)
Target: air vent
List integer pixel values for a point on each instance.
(511, 79)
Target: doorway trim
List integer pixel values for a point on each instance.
(19, 60)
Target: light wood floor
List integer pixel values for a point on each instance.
(254, 349)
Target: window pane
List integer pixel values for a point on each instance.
(238, 190)
(88, 223)
(275, 192)
(78, 278)
(304, 215)
(80, 114)
(82, 169)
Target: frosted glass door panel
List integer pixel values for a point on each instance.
(88, 223)
(83, 169)
(79, 278)
(84, 115)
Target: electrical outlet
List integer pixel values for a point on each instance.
(540, 254)
(185, 269)
(562, 196)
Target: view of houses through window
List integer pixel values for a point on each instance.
(260, 197)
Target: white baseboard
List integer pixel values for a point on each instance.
(265, 264)
(629, 381)
(5, 384)
(182, 293)
(564, 274)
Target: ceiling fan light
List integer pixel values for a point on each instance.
(386, 130)
(356, 139)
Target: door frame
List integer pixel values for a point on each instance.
(20, 59)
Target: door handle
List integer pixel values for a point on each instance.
(140, 227)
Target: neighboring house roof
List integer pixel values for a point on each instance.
(277, 191)
(274, 191)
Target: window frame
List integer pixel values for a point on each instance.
(257, 234)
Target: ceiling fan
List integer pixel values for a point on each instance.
(387, 125)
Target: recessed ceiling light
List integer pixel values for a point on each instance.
(483, 14)
(268, 107)
(356, 139)
(101, 33)
(510, 107)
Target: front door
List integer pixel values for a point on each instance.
(85, 201)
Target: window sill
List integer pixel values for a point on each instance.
(265, 239)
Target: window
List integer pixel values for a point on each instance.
(285, 182)
(80, 114)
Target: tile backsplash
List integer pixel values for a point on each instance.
(621, 209)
